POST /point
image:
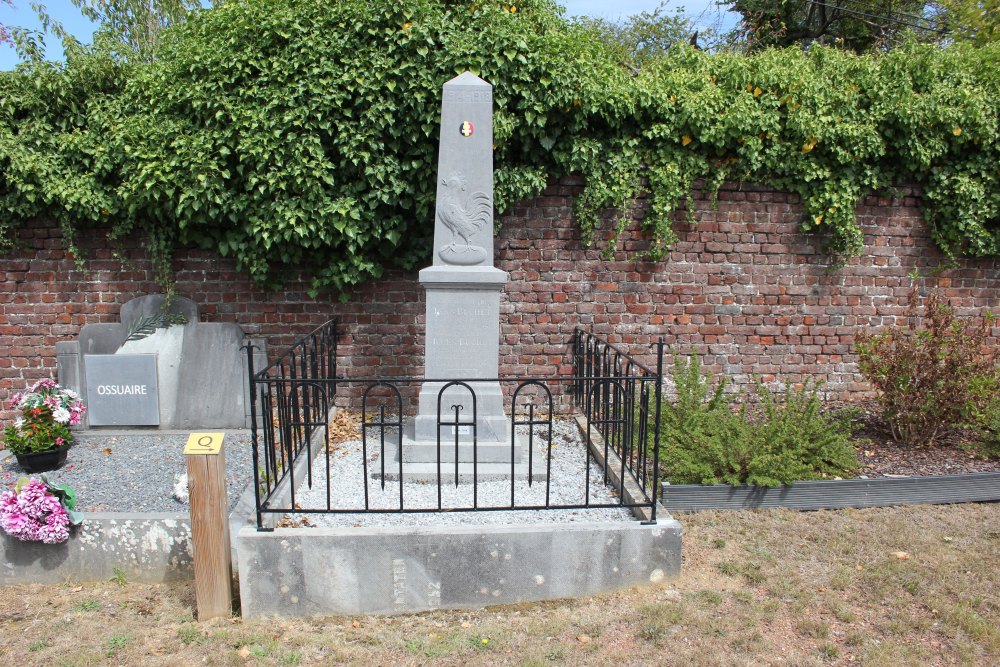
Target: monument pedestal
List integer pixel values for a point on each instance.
(463, 344)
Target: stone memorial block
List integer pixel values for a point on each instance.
(463, 287)
(122, 390)
(463, 220)
(198, 367)
(463, 303)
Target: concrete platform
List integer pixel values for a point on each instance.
(148, 547)
(317, 571)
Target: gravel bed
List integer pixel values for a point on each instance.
(567, 487)
(135, 472)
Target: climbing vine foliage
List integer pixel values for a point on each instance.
(301, 135)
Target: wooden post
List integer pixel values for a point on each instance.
(213, 568)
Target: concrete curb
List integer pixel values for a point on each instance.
(146, 546)
(324, 571)
(839, 494)
(149, 547)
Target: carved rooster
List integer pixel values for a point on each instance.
(463, 221)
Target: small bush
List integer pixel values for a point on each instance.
(769, 441)
(987, 423)
(935, 373)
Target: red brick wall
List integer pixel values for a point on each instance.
(745, 288)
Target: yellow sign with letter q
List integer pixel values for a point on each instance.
(204, 443)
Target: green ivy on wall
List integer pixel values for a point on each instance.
(301, 136)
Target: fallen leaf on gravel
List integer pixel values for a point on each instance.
(106, 450)
(345, 425)
(901, 555)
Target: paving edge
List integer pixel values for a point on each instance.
(836, 494)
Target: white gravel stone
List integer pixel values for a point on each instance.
(567, 487)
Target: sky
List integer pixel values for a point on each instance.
(21, 14)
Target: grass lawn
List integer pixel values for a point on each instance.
(895, 586)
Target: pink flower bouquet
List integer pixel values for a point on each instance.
(47, 412)
(39, 511)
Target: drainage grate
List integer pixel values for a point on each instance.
(880, 492)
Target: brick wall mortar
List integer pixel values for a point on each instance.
(745, 289)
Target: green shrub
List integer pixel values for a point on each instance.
(987, 424)
(299, 137)
(936, 372)
(769, 441)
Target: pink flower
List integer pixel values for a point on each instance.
(34, 514)
(8, 502)
(14, 523)
(76, 412)
(53, 533)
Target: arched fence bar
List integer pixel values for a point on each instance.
(615, 398)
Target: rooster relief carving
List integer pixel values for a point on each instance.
(463, 220)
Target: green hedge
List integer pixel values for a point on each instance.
(299, 135)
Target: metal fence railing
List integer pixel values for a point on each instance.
(297, 471)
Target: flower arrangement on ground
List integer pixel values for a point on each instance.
(47, 412)
(39, 511)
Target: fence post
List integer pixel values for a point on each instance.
(656, 426)
(250, 347)
(213, 566)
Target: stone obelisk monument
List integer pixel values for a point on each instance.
(462, 286)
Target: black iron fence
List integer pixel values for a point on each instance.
(459, 468)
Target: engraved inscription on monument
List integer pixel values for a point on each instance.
(122, 389)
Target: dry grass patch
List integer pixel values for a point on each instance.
(901, 586)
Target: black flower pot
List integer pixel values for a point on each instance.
(50, 459)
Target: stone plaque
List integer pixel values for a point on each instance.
(122, 389)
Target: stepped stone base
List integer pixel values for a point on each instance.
(488, 459)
